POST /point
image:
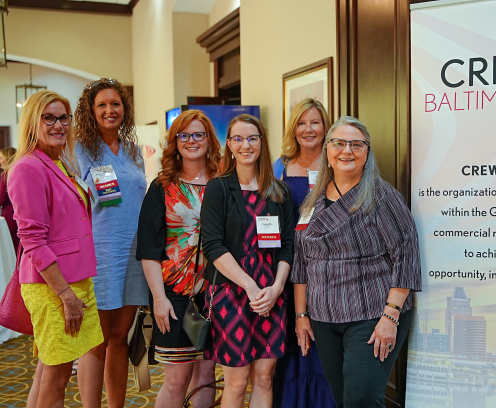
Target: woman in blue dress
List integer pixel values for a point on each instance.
(299, 380)
(106, 140)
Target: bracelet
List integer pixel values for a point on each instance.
(63, 290)
(392, 305)
(391, 318)
(302, 314)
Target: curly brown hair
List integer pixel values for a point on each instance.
(171, 159)
(86, 127)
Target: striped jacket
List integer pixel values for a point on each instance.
(350, 260)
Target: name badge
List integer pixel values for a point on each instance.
(312, 178)
(107, 186)
(85, 187)
(304, 220)
(268, 232)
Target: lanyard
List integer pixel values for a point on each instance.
(337, 189)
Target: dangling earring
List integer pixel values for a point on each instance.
(328, 164)
(232, 156)
(208, 153)
(178, 156)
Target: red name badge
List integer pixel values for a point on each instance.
(268, 232)
(312, 178)
(304, 220)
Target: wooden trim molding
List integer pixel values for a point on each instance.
(222, 37)
(77, 6)
(347, 56)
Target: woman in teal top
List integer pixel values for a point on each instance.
(106, 136)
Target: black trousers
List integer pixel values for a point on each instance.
(357, 379)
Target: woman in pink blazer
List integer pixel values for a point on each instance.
(54, 227)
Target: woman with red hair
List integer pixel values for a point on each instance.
(171, 214)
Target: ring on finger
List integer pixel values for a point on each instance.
(390, 346)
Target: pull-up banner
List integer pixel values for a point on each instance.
(452, 347)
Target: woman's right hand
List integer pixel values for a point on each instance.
(161, 311)
(253, 292)
(73, 311)
(304, 332)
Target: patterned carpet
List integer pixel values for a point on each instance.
(17, 367)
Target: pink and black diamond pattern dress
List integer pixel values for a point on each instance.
(239, 335)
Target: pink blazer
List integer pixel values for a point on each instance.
(52, 219)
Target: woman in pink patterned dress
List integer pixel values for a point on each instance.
(249, 302)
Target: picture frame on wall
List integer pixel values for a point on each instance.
(311, 81)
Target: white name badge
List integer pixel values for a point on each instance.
(268, 232)
(304, 220)
(109, 192)
(312, 178)
(85, 187)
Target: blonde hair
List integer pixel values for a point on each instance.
(366, 187)
(29, 127)
(290, 146)
(8, 153)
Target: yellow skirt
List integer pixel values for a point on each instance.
(47, 315)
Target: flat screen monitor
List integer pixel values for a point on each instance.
(170, 115)
(221, 116)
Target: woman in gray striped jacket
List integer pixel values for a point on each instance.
(356, 265)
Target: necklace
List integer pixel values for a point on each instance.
(309, 167)
(337, 189)
(198, 177)
(252, 185)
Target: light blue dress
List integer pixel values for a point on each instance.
(120, 279)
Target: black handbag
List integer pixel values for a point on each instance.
(142, 348)
(195, 324)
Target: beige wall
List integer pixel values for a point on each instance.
(191, 61)
(222, 8)
(97, 44)
(153, 67)
(67, 85)
(279, 36)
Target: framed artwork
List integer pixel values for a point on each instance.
(311, 81)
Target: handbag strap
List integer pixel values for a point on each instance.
(198, 249)
(147, 328)
(212, 292)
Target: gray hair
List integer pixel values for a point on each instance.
(366, 188)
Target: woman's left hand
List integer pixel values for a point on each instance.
(266, 299)
(384, 337)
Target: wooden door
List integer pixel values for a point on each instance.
(4, 136)
(374, 85)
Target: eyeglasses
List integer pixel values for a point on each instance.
(253, 140)
(197, 136)
(50, 120)
(102, 81)
(355, 145)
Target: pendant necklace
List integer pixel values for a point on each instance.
(309, 167)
